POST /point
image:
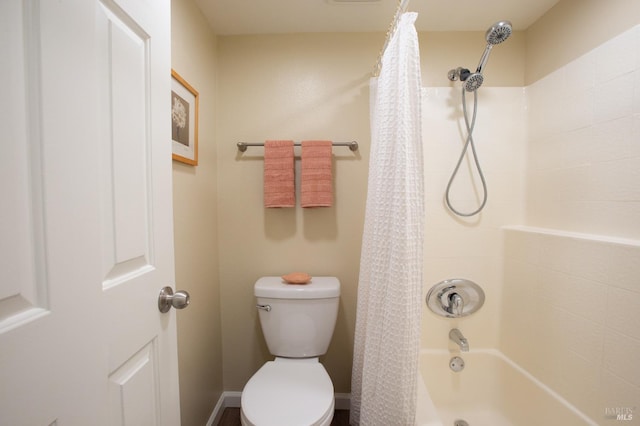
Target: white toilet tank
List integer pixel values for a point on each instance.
(298, 320)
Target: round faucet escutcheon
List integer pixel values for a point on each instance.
(455, 298)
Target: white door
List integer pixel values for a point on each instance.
(86, 218)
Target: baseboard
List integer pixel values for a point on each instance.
(232, 399)
(227, 399)
(343, 401)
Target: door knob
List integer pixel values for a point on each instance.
(167, 299)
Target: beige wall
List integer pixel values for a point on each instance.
(196, 224)
(572, 28)
(289, 87)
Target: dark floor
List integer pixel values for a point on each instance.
(231, 417)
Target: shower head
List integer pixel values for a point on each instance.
(473, 82)
(499, 32)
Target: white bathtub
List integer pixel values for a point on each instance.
(491, 391)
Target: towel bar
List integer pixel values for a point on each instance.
(242, 146)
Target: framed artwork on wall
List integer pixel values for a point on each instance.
(184, 120)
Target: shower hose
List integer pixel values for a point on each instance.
(469, 142)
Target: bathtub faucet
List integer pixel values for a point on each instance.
(459, 339)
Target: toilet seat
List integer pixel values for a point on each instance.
(288, 392)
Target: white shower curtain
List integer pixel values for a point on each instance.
(387, 337)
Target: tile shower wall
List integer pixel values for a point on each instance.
(470, 248)
(583, 149)
(571, 315)
(571, 297)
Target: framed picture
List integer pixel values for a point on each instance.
(184, 120)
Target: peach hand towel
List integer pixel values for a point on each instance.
(279, 181)
(316, 186)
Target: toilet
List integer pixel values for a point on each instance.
(297, 322)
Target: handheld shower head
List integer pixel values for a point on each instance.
(499, 32)
(473, 82)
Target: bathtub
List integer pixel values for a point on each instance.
(491, 390)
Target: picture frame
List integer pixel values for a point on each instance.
(184, 120)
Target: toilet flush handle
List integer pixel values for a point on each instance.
(264, 307)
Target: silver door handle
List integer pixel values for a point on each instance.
(167, 299)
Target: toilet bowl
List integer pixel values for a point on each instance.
(297, 322)
(288, 392)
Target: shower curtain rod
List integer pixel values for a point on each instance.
(402, 7)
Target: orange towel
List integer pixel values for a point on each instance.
(279, 181)
(316, 187)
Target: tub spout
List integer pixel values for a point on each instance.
(459, 339)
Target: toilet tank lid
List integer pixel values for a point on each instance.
(317, 288)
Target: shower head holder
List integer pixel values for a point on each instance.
(458, 74)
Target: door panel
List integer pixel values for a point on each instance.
(23, 294)
(133, 390)
(125, 83)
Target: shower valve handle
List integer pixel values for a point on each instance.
(456, 304)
